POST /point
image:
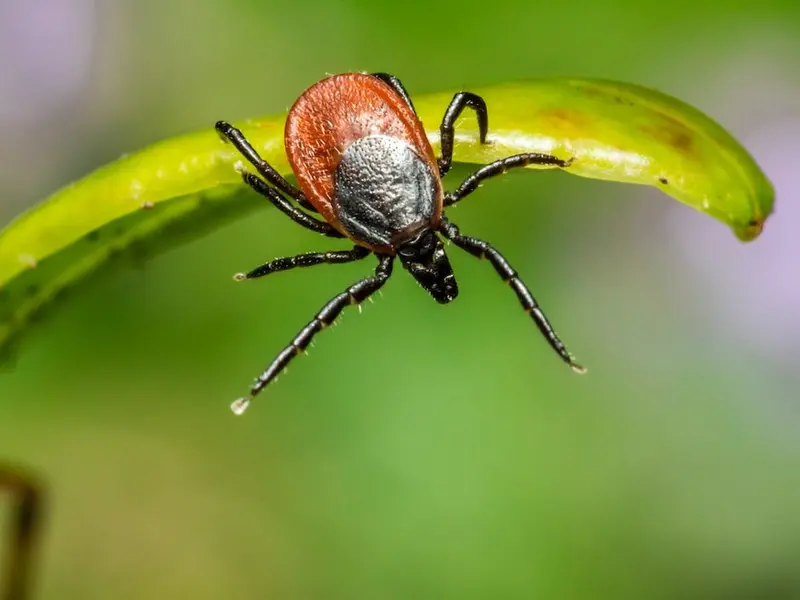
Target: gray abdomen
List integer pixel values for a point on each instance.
(383, 188)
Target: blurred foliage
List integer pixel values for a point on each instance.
(419, 451)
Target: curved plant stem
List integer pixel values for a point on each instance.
(186, 186)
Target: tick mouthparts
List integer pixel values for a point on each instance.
(239, 406)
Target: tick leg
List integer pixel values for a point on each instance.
(304, 260)
(282, 204)
(500, 167)
(398, 87)
(355, 294)
(484, 250)
(229, 133)
(457, 105)
(26, 520)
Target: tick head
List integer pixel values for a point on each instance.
(424, 257)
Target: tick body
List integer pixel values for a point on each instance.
(364, 164)
(362, 159)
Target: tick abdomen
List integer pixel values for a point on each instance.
(384, 188)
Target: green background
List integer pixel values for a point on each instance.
(419, 451)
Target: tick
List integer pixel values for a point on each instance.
(364, 164)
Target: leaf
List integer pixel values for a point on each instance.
(185, 186)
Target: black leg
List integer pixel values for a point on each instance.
(282, 204)
(355, 294)
(483, 250)
(27, 517)
(499, 167)
(229, 133)
(398, 87)
(304, 260)
(457, 105)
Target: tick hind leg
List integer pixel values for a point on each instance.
(355, 294)
(457, 105)
(484, 250)
(231, 134)
(24, 531)
(398, 87)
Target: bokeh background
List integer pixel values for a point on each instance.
(420, 451)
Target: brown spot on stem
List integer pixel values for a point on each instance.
(564, 118)
(673, 133)
(603, 94)
(754, 229)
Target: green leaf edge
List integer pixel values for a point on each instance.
(183, 187)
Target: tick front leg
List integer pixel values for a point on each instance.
(283, 205)
(231, 134)
(355, 294)
(457, 105)
(24, 531)
(305, 260)
(500, 167)
(484, 250)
